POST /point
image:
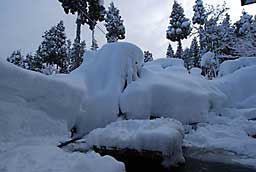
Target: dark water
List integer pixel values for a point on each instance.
(190, 166)
(136, 162)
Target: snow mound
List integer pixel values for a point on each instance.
(239, 87)
(229, 133)
(106, 74)
(208, 59)
(43, 158)
(163, 135)
(231, 66)
(166, 62)
(170, 93)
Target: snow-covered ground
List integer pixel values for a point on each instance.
(36, 111)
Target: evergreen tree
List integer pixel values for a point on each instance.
(37, 63)
(179, 28)
(195, 53)
(148, 57)
(96, 12)
(28, 62)
(199, 13)
(77, 50)
(170, 52)
(188, 61)
(114, 24)
(53, 50)
(179, 52)
(79, 7)
(16, 58)
(243, 26)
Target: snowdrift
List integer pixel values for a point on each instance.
(231, 66)
(170, 91)
(239, 87)
(106, 74)
(34, 110)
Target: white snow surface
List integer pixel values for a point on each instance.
(207, 59)
(33, 114)
(162, 135)
(105, 74)
(170, 92)
(231, 66)
(239, 87)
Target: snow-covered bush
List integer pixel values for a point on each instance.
(210, 65)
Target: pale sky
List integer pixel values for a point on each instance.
(23, 22)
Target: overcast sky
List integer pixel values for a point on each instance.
(23, 22)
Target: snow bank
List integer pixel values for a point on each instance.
(239, 87)
(106, 73)
(231, 66)
(50, 95)
(166, 62)
(34, 110)
(163, 135)
(170, 92)
(42, 158)
(228, 134)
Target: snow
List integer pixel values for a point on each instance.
(34, 112)
(239, 87)
(40, 158)
(227, 134)
(105, 75)
(169, 92)
(37, 110)
(207, 59)
(231, 66)
(163, 135)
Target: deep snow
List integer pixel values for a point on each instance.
(161, 135)
(37, 111)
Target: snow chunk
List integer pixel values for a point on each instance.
(163, 135)
(208, 59)
(106, 75)
(170, 92)
(240, 87)
(231, 66)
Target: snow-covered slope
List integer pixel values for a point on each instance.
(34, 110)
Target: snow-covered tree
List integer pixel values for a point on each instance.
(199, 13)
(148, 57)
(179, 28)
(16, 58)
(76, 54)
(243, 26)
(170, 52)
(94, 46)
(210, 65)
(188, 61)
(78, 7)
(114, 24)
(179, 52)
(96, 12)
(53, 50)
(195, 53)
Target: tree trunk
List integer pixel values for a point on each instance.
(77, 40)
(78, 28)
(93, 39)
